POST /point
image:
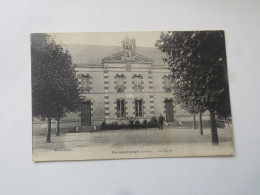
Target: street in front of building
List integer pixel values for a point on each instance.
(177, 141)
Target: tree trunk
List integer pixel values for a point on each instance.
(49, 130)
(201, 128)
(58, 127)
(194, 121)
(214, 131)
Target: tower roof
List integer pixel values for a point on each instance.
(126, 40)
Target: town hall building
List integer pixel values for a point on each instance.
(124, 82)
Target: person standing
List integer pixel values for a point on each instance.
(161, 120)
(145, 124)
(131, 123)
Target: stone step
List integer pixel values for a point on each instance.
(172, 124)
(85, 128)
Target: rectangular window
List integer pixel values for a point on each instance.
(138, 108)
(137, 83)
(167, 84)
(120, 83)
(120, 108)
(85, 83)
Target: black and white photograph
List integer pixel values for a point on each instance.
(117, 95)
(133, 97)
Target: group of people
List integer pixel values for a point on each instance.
(161, 120)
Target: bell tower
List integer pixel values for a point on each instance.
(129, 47)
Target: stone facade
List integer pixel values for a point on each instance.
(125, 85)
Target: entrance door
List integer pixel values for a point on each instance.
(86, 113)
(169, 110)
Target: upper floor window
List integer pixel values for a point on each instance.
(85, 83)
(120, 108)
(167, 83)
(120, 83)
(138, 108)
(137, 83)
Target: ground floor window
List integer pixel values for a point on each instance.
(138, 108)
(120, 108)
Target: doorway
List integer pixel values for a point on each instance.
(169, 110)
(86, 113)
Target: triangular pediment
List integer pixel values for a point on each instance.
(123, 57)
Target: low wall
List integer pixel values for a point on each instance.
(40, 128)
(189, 124)
(184, 118)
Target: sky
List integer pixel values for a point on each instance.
(143, 39)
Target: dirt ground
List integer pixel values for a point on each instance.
(128, 143)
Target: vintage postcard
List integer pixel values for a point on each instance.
(119, 95)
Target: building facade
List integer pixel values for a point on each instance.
(125, 84)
